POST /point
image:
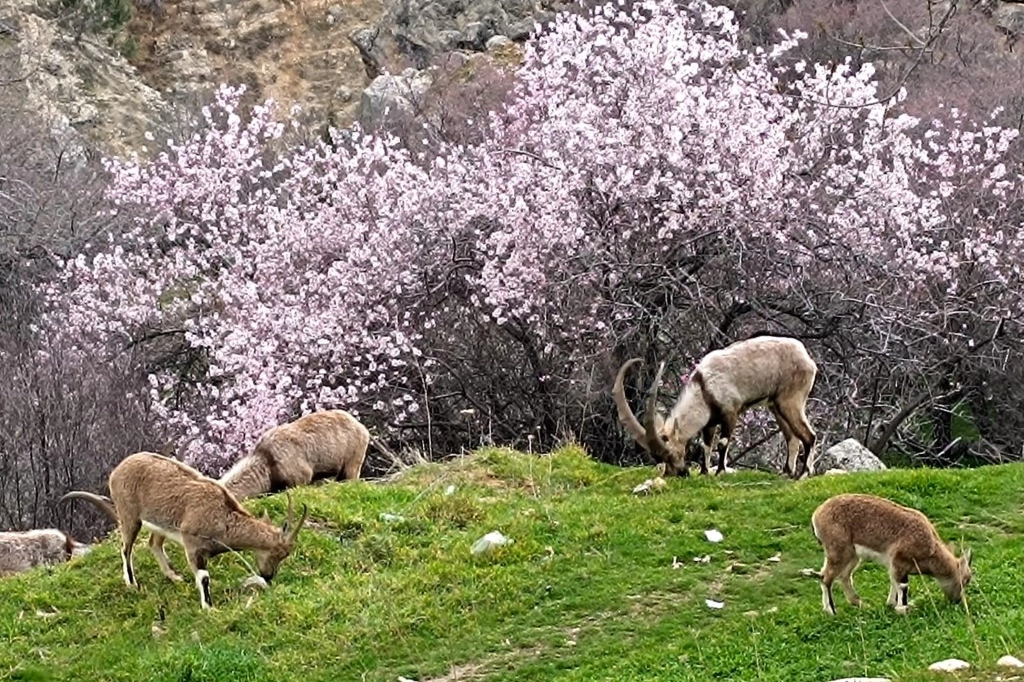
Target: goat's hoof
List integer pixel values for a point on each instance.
(902, 610)
(174, 577)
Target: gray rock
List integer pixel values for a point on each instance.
(848, 455)
(1009, 20)
(495, 43)
(372, 55)
(391, 97)
(474, 36)
(521, 30)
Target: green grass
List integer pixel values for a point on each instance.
(586, 592)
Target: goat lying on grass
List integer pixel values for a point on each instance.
(852, 527)
(771, 370)
(175, 501)
(23, 550)
(318, 445)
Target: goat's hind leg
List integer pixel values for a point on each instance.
(846, 582)
(129, 532)
(796, 420)
(828, 575)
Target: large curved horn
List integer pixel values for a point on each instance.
(103, 503)
(291, 532)
(652, 422)
(289, 515)
(626, 415)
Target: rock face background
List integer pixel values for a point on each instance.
(318, 54)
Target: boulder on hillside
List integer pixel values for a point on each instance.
(390, 97)
(1009, 20)
(848, 455)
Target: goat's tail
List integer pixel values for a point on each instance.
(102, 502)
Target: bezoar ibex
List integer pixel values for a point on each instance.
(318, 445)
(770, 370)
(24, 550)
(852, 527)
(175, 501)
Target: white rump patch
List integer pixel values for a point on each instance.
(170, 533)
(872, 555)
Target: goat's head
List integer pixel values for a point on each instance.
(953, 586)
(658, 435)
(268, 561)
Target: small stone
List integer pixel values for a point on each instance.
(495, 43)
(949, 665)
(1010, 662)
(713, 535)
(254, 582)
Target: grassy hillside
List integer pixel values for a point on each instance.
(587, 591)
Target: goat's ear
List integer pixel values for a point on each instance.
(967, 556)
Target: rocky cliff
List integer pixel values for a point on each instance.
(322, 55)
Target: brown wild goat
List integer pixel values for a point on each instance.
(852, 527)
(175, 501)
(318, 445)
(771, 370)
(20, 551)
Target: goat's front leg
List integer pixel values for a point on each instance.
(156, 546)
(197, 562)
(728, 425)
(707, 439)
(900, 589)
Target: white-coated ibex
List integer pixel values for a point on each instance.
(175, 501)
(771, 370)
(851, 527)
(22, 550)
(318, 445)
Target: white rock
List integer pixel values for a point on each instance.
(713, 535)
(642, 488)
(949, 665)
(712, 604)
(848, 455)
(489, 542)
(391, 517)
(255, 581)
(449, 490)
(656, 483)
(1010, 662)
(702, 559)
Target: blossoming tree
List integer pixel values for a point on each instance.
(652, 187)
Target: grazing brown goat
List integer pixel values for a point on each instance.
(764, 370)
(852, 527)
(175, 501)
(330, 443)
(22, 550)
